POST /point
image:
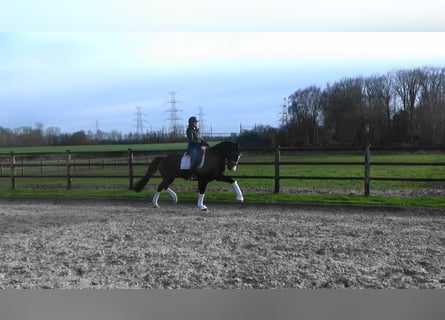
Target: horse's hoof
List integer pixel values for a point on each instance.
(240, 199)
(156, 206)
(203, 208)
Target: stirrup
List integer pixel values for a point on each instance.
(193, 176)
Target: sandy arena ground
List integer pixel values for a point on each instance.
(127, 244)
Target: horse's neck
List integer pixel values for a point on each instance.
(219, 149)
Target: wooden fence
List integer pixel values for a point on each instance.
(65, 165)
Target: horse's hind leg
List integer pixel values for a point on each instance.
(172, 195)
(164, 185)
(155, 199)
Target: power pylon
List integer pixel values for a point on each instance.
(173, 119)
(139, 122)
(201, 115)
(284, 113)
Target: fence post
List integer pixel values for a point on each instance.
(130, 169)
(367, 169)
(68, 170)
(12, 170)
(277, 170)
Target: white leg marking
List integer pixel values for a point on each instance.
(155, 200)
(172, 195)
(239, 194)
(201, 205)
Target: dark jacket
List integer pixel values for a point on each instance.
(194, 138)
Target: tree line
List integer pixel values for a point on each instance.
(53, 136)
(403, 107)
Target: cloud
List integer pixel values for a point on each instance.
(228, 15)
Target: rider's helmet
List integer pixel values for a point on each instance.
(192, 120)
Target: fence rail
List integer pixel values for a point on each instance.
(66, 166)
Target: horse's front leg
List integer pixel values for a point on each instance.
(238, 192)
(236, 188)
(202, 185)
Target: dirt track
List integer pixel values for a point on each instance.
(87, 244)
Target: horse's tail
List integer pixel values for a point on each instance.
(139, 186)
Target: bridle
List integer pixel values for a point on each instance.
(232, 163)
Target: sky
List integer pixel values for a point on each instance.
(81, 74)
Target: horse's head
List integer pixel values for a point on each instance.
(229, 152)
(233, 154)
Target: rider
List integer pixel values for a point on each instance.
(196, 145)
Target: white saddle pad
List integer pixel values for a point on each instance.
(186, 162)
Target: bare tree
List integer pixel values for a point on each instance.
(344, 111)
(305, 112)
(431, 110)
(377, 94)
(407, 86)
(52, 135)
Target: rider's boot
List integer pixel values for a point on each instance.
(193, 175)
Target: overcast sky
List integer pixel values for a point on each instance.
(75, 80)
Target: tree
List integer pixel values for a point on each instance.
(400, 127)
(7, 137)
(431, 109)
(305, 113)
(27, 136)
(78, 138)
(377, 95)
(260, 137)
(344, 111)
(52, 136)
(407, 86)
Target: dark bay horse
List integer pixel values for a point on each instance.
(216, 159)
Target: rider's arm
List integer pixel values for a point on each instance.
(205, 144)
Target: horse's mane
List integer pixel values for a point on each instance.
(222, 146)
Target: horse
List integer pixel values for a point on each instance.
(211, 169)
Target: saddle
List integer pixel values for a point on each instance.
(186, 161)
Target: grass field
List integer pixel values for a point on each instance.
(86, 183)
(95, 148)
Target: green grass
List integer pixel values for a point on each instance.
(251, 197)
(95, 148)
(117, 187)
(355, 171)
